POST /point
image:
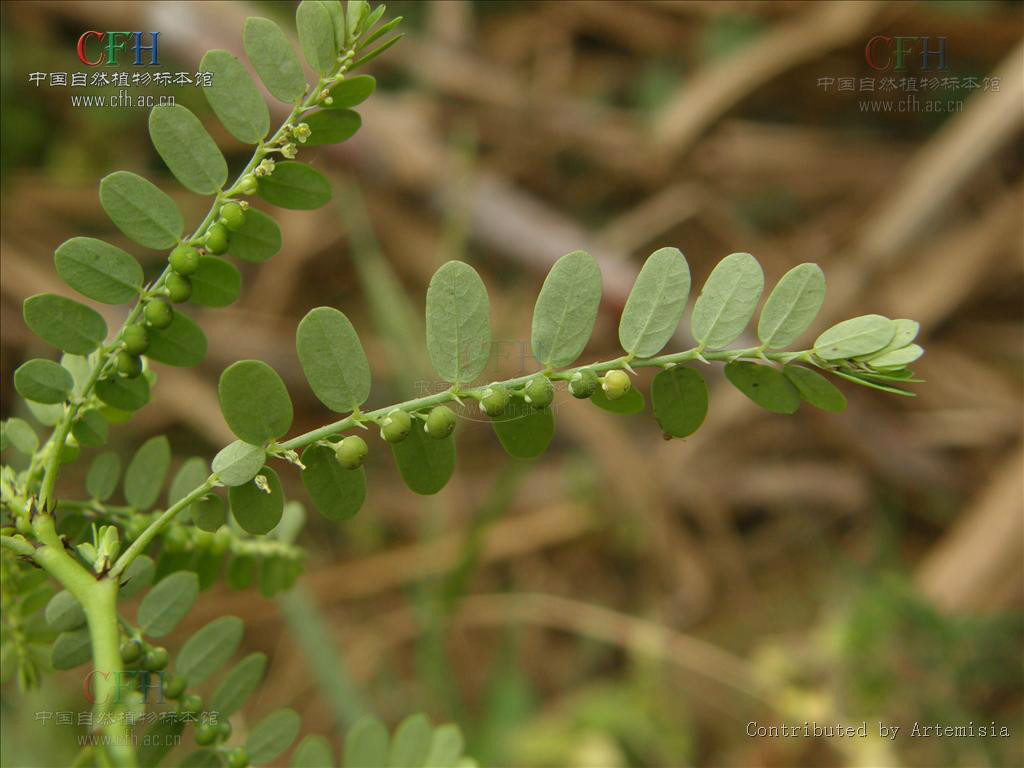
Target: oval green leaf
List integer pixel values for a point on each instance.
(101, 479)
(258, 239)
(897, 358)
(274, 60)
(64, 613)
(523, 431)
(167, 603)
(295, 186)
(333, 359)
(679, 399)
(190, 475)
(566, 309)
(234, 97)
(425, 463)
(98, 270)
(411, 743)
(90, 428)
(815, 389)
(272, 735)
(43, 381)
(255, 510)
(64, 323)
(209, 513)
(792, 306)
(19, 433)
(137, 577)
(215, 283)
(141, 210)
(254, 401)
(366, 743)
(458, 323)
(332, 126)
(187, 149)
(209, 649)
(764, 385)
(351, 92)
(631, 402)
(238, 462)
(181, 344)
(313, 752)
(446, 747)
(71, 649)
(238, 685)
(123, 394)
(146, 472)
(656, 303)
(856, 336)
(728, 301)
(337, 493)
(316, 35)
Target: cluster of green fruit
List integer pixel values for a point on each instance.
(184, 261)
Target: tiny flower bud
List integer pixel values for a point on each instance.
(615, 384)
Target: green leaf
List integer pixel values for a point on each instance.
(425, 463)
(101, 479)
(234, 97)
(258, 239)
(238, 684)
(209, 649)
(159, 739)
(332, 126)
(382, 30)
(187, 149)
(64, 323)
(872, 384)
(141, 210)
(167, 603)
(19, 433)
(209, 513)
(295, 186)
(338, 22)
(631, 402)
(896, 358)
(411, 744)
(364, 59)
(190, 475)
(64, 613)
(792, 306)
(215, 283)
(71, 649)
(446, 747)
(255, 510)
(146, 472)
(203, 758)
(458, 323)
(857, 336)
(238, 462)
(80, 369)
(815, 389)
(98, 270)
(524, 432)
(137, 577)
(313, 752)
(333, 359)
(47, 415)
(240, 572)
(271, 55)
(566, 309)
(656, 303)
(351, 92)
(906, 332)
(316, 35)
(124, 394)
(272, 735)
(358, 10)
(337, 493)
(764, 385)
(728, 301)
(254, 401)
(43, 381)
(679, 399)
(181, 344)
(366, 744)
(90, 428)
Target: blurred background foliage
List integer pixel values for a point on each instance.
(623, 601)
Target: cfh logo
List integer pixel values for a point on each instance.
(91, 46)
(884, 53)
(129, 680)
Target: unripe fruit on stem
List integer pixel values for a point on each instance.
(184, 260)
(136, 340)
(155, 659)
(158, 313)
(440, 422)
(615, 384)
(232, 216)
(174, 687)
(238, 758)
(179, 288)
(206, 734)
(396, 426)
(130, 651)
(248, 186)
(217, 239)
(583, 384)
(128, 365)
(494, 400)
(224, 729)
(539, 392)
(191, 704)
(351, 451)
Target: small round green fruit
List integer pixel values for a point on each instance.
(615, 384)
(539, 392)
(158, 313)
(440, 422)
(179, 288)
(396, 426)
(351, 452)
(136, 340)
(184, 260)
